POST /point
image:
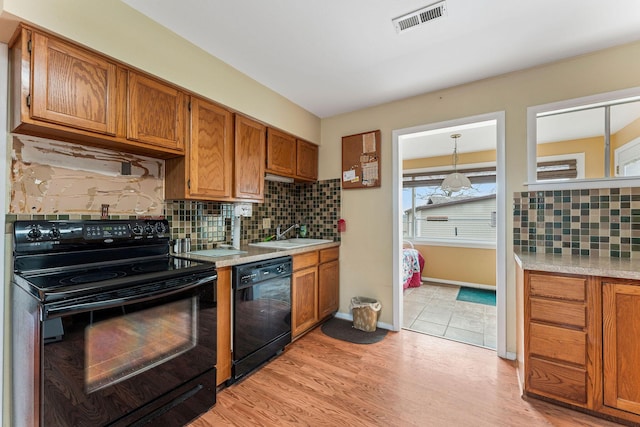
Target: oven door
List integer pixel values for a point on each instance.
(129, 355)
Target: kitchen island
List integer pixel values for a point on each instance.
(578, 326)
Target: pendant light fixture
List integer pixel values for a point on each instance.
(455, 181)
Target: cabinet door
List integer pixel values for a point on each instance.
(621, 348)
(304, 297)
(281, 153)
(156, 113)
(250, 141)
(307, 160)
(210, 151)
(328, 288)
(72, 86)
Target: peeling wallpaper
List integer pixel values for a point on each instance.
(52, 177)
(66, 181)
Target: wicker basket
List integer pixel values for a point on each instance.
(365, 313)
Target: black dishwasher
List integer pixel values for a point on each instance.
(261, 313)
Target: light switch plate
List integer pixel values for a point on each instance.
(266, 222)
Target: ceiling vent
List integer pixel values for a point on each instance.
(419, 17)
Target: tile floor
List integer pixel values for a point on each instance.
(433, 309)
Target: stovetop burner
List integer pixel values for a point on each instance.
(64, 259)
(94, 276)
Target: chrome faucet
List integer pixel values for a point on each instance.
(280, 236)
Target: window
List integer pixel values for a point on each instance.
(468, 215)
(597, 127)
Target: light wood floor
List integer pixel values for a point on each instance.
(408, 379)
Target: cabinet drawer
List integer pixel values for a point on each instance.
(558, 343)
(560, 312)
(307, 259)
(558, 287)
(329, 254)
(557, 380)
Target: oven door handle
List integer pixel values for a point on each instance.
(61, 309)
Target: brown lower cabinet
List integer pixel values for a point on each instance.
(621, 345)
(581, 344)
(314, 289)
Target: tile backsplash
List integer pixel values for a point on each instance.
(595, 222)
(210, 223)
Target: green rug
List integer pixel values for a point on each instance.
(478, 296)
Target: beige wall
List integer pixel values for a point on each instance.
(468, 265)
(115, 29)
(366, 252)
(593, 149)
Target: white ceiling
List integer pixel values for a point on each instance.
(332, 57)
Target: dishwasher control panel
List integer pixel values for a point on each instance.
(260, 271)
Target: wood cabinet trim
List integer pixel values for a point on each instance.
(223, 297)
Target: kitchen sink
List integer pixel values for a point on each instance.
(218, 252)
(290, 243)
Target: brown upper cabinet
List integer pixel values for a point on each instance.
(281, 153)
(156, 112)
(67, 92)
(307, 161)
(291, 157)
(249, 153)
(72, 87)
(206, 171)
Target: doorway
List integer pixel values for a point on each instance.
(440, 145)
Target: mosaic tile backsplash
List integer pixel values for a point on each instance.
(596, 222)
(210, 223)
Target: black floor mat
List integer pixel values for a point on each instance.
(343, 330)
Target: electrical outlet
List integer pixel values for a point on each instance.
(266, 222)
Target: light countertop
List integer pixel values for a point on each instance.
(254, 253)
(621, 268)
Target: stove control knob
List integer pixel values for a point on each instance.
(160, 227)
(148, 229)
(54, 233)
(34, 233)
(137, 230)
